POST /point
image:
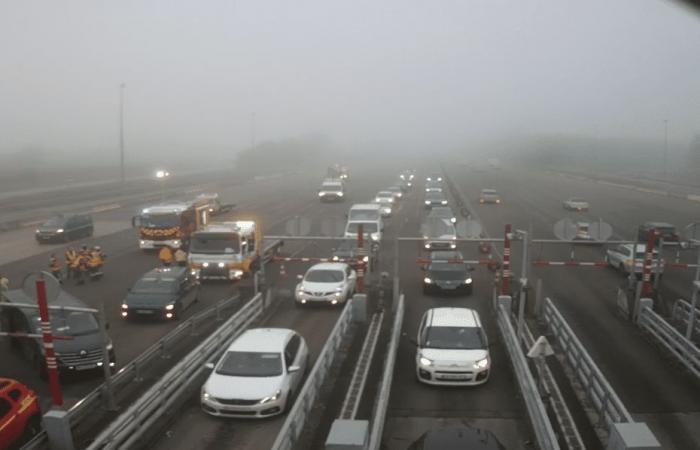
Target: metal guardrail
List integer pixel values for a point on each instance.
(129, 427)
(297, 416)
(604, 399)
(382, 403)
(667, 335)
(681, 312)
(544, 433)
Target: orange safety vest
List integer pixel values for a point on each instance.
(165, 255)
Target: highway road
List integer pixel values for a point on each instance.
(652, 386)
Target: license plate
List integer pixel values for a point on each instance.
(144, 311)
(453, 377)
(86, 367)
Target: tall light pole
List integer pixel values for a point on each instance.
(122, 172)
(666, 152)
(252, 131)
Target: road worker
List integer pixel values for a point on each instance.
(166, 256)
(180, 257)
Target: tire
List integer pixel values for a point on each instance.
(178, 311)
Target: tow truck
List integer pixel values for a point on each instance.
(20, 415)
(170, 224)
(228, 250)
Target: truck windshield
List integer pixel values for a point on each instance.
(215, 243)
(367, 227)
(73, 323)
(167, 220)
(364, 214)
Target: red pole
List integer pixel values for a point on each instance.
(360, 259)
(505, 279)
(647, 288)
(51, 365)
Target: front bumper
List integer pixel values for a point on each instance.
(451, 376)
(147, 244)
(461, 288)
(242, 408)
(440, 245)
(92, 359)
(214, 272)
(136, 312)
(305, 298)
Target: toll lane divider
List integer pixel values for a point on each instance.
(382, 400)
(296, 418)
(136, 421)
(537, 413)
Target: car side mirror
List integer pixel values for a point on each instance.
(292, 369)
(209, 366)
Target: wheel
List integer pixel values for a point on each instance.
(178, 311)
(32, 429)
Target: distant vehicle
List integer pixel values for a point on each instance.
(576, 204)
(64, 228)
(407, 175)
(620, 257)
(211, 200)
(443, 212)
(443, 256)
(364, 211)
(434, 177)
(20, 414)
(344, 173)
(370, 216)
(347, 250)
(331, 191)
(225, 250)
(373, 229)
(397, 191)
(489, 196)
(663, 230)
(385, 199)
(448, 277)
(439, 234)
(162, 293)
(404, 185)
(433, 186)
(331, 283)
(435, 199)
(583, 232)
(452, 348)
(258, 375)
(458, 437)
(84, 351)
(170, 224)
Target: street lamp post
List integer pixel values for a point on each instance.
(122, 171)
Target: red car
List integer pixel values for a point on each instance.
(20, 415)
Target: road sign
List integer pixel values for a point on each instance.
(540, 348)
(53, 287)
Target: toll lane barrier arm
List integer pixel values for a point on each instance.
(130, 426)
(382, 402)
(296, 419)
(544, 433)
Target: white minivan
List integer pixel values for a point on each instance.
(370, 216)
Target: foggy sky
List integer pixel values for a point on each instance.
(419, 73)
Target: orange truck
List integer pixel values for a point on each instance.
(20, 414)
(170, 224)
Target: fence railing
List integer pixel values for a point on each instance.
(130, 426)
(681, 312)
(602, 396)
(298, 415)
(684, 350)
(382, 403)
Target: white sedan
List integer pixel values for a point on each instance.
(330, 283)
(258, 375)
(620, 257)
(576, 204)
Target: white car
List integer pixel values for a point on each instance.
(576, 204)
(452, 348)
(330, 283)
(443, 212)
(620, 258)
(258, 375)
(372, 228)
(439, 234)
(331, 190)
(385, 199)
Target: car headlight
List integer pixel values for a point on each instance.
(468, 281)
(169, 307)
(453, 220)
(481, 364)
(335, 258)
(444, 202)
(321, 194)
(60, 230)
(427, 280)
(221, 265)
(365, 259)
(340, 194)
(271, 398)
(205, 264)
(377, 200)
(177, 243)
(425, 361)
(37, 231)
(205, 395)
(125, 306)
(110, 347)
(374, 236)
(427, 202)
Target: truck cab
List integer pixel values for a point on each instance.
(225, 251)
(170, 224)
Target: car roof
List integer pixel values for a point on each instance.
(364, 206)
(489, 191)
(453, 317)
(328, 266)
(262, 340)
(446, 254)
(165, 273)
(640, 247)
(384, 193)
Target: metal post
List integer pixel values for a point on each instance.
(395, 299)
(47, 336)
(647, 289)
(111, 405)
(121, 132)
(360, 261)
(505, 279)
(538, 298)
(255, 283)
(523, 286)
(694, 299)
(657, 270)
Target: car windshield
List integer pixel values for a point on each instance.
(436, 227)
(215, 243)
(250, 364)
(462, 338)
(385, 194)
(55, 222)
(489, 192)
(152, 285)
(442, 212)
(166, 220)
(367, 227)
(331, 186)
(73, 323)
(364, 214)
(434, 196)
(448, 271)
(324, 276)
(442, 255)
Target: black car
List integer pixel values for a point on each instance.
(81, 352)
(347, 251)
(63, 228)
(162, 293)
(435, 199)
(664, 230)
(447, 277)
(460, 437)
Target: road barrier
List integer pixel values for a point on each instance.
(298, 415)
(544, 433)
(681, 312)
(382, 402)
(668, 336)
(602, 396)
(129, 427)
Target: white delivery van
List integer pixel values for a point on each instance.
(370, 216)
